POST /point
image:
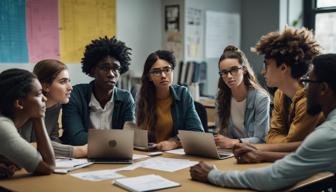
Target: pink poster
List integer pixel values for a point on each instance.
(42, 29)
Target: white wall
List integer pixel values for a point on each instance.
(138, 25)
(258, 18)
(228, 6)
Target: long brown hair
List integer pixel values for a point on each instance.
(47, 70)
(223, 99)
(146, 116)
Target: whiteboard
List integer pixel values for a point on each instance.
(222, 29)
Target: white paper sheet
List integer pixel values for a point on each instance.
(167, 164)
(65, 165)
(176, 151)
(97, 175)
(139, 156)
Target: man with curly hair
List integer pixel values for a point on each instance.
(288, 57)
(316, 153)
(99, 104)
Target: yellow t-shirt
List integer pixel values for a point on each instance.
(164, 123)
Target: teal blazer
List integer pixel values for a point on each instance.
(76, 114)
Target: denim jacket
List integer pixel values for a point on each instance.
(256, 119)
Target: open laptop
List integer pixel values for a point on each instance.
(140, 137)
(110, 146)
(202, 144)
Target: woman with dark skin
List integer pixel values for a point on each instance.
(21, 99)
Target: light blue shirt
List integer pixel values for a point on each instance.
(256, 119)
(316, 154)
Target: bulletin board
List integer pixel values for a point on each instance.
(31, 30)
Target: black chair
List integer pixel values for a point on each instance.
(202, 113)
(324, 185)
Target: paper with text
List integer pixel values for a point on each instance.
(145, 183)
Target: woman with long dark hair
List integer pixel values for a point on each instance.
(164, 108)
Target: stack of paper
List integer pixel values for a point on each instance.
(65, 165)
(145, 183)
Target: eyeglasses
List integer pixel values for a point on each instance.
(233, 71)
(107, 68)
(158, 72)
(305, 82)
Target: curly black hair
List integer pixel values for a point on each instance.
(14, 84)
(103, 47)
(295, 47)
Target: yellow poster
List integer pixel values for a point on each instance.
(82, 21)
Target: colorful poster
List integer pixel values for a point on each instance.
(13, 42)
(82, 21)
(42, 29)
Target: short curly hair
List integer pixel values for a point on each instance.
(103, 47)
(295, 47)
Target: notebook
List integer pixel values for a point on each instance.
(65, 165)
(140, 137)
(202, 144)
(145, 183)
(110, 146)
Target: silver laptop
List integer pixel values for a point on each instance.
(202, 144)
(140, 137)
(110, 146)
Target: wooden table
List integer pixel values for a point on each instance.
(57, 182)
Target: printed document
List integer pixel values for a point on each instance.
(145, 183)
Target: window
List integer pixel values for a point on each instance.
(320, 15)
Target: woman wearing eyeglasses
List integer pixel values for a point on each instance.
(242, 104)
(163, 108)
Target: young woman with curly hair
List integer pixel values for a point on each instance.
(163, 108)
(99, 104)
(242, 104)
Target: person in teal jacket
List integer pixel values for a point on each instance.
(163, 108)
(99, 104)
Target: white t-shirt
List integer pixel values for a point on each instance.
(100, 118)
(15, 148)
(238, 114)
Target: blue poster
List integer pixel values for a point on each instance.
(13, 41)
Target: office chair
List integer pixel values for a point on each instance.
(202, 113)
